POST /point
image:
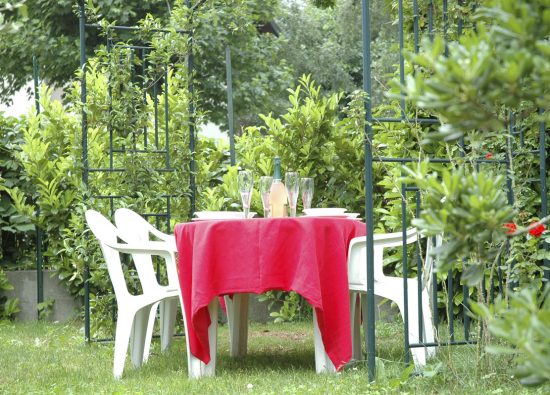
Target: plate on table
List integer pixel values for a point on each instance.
(213, 215)
(325, 212)
(353, 216)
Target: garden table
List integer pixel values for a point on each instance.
(307, 255)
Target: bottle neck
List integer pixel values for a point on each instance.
(277, 171)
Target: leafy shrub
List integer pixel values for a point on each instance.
(8, 307)
(468, 208)
(310, 138)
(16, 230)
(524, 324)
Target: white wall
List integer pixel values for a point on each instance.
(212, 130)
(21, 102)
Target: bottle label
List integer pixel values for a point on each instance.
(278, 199)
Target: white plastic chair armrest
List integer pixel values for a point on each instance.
(388, 239)
(170, 240)
(160, 248)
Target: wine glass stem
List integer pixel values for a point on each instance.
(246, 211)
(293, 211)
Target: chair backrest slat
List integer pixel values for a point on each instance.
(106, 233)
(134, 228)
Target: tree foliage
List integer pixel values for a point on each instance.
(503, 63)
(49, 31)
(492, 80)
(327, 44)
(260, 74)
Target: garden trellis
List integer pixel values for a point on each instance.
(442, 26)
(147, 87)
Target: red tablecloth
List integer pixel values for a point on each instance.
(307, 255)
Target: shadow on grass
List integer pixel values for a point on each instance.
(278, 360)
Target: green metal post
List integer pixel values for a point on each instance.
(168, 214)
(434, 297)
(36, 84)
(445, 23)
(156, 107)
(369, 208)
(401, 57)
(465, 308)
(415, 25)
(450, 310)
(230, 121)
(82, 31)
(460, 21)
(543, 186)
(167, 124)
(39, 234)
(110, 93)
(405, 273)
(509, 180)
(419, 275)
(144, 87)
(431, 20)
(192, 119)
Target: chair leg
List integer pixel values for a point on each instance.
(149, 335)
(355, 315)
(196, 367)
(122, 337)
(429, 335)
(419, 354)
(323, 364)
(139, 333)
(237, 319)
(168, 311)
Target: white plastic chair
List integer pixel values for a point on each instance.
(133, 228)
(133, 310)
(391, 288)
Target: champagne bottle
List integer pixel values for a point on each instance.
(278, 198)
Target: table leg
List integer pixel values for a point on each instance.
(364, 312)
(323, 364)
(197, 368)
(237, 319)
(355, 313)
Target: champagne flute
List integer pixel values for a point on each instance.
(306, 185)
(246, 184)
(292, 183)
(265, 189)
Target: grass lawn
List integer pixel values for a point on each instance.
(52, 358)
